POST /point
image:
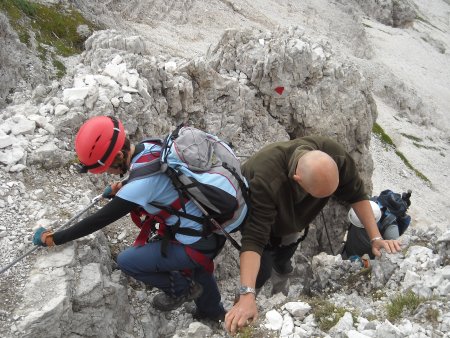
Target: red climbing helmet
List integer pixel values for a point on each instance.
(97, 143)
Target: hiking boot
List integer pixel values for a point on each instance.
(164, 302)
(284, 268)
(219, 318)
(280, 283)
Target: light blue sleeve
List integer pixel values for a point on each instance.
(146, 190)
(159, 189)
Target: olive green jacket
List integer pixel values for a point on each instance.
(279, 206)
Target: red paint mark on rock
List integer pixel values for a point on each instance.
(279, 90)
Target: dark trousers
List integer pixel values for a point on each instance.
(278, 258)
(148, 265)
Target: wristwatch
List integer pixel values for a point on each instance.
(243, 290)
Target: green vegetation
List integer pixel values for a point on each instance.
(408, 301)
(378, 295)
(25, 6)
(326, 313)
(371, 317)
(363, 274)
(385, 138)
(15, 10)
(409, 165)
(245, 332)
(418, 145)
(416, 141)
(60, 68)
(411, 137)
(53, 27)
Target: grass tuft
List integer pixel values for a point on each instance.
(361, 275)
(378, 295)
(411, 137)
(408, 301)
(326, 313)
(409, 165)
(26, 7)
(52, 26)
(418, 145)
(245, 332)
(57, 27)
(60, 68)
(386, 139)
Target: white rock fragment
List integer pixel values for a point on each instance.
(11, 156)
(63, 256)
(115, 102)
(446, 272)
(297, 309)
(122, 235)
(117, 72)
(356, 334)
(344, 324)
(22, 125)
(387, 329)
(74, 97)
(170, 66)
(127, 98)
(274, 320)
(128, 89)
(287, 326)
(61, 109)
(197, 329)
(17, 168)
(116, 60)
(132, 80)
(6, 141)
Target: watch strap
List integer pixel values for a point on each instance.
(243, 290)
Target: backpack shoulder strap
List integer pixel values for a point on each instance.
(147, 170)
(387, 220)
(150, 164)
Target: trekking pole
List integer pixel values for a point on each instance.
(94, 201)
(326, 231)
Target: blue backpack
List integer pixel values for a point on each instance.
(393, 209)
(205, 170)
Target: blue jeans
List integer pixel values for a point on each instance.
(147, 265)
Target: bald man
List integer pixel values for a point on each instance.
(290, 182)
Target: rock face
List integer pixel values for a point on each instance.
(396, 13)
(16, 64)
(73, 291)
(251, 89)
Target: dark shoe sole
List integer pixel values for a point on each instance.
(177, 303)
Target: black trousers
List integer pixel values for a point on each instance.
(278, 258)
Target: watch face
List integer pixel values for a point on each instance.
(246, 289)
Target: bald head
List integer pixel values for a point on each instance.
(317, 174)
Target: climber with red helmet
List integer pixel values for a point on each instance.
(178, 267)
